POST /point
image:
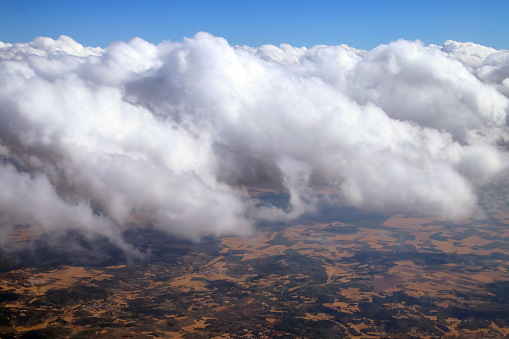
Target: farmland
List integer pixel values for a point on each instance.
(336, 276)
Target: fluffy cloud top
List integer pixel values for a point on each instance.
(178, 131)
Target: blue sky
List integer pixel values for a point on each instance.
(357, 23)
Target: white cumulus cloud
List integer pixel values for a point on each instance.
(178, 131)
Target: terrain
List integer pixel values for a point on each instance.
(339, 274)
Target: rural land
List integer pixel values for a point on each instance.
(337, 274)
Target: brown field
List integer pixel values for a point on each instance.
(424, 259)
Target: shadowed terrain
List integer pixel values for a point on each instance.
(354, 275)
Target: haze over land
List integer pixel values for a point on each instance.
(90, 137)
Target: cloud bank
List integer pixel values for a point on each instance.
(179, 131)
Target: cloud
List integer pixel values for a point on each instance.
(48, 48)
(413, 83)
(177, 132)
(489, 65)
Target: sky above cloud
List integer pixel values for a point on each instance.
(363, 24)
(179, 130)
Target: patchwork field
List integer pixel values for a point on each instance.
(357, 277)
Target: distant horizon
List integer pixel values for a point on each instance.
(361, 24)
(253, 46)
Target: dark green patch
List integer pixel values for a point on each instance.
(75, 295)
(496, 244)
(8, 296)
(438, 237)
(281, 240)
(342, 229)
